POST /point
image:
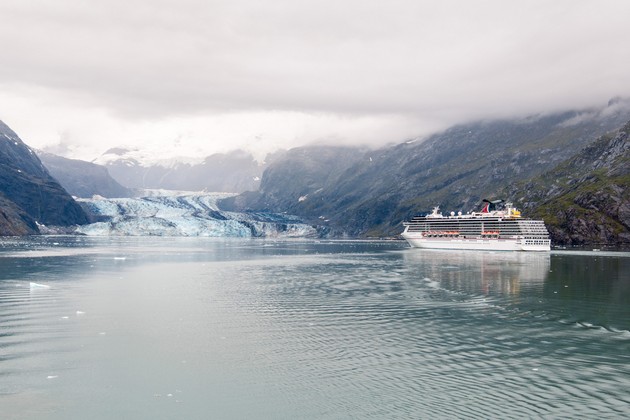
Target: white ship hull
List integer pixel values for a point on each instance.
(488, 230)
(510, 244)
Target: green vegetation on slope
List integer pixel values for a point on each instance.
(586, 199)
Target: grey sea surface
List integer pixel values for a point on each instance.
(198, 328)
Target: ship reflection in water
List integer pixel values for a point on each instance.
(488, 273)
(585, 289)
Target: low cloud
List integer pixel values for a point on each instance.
(224, 74)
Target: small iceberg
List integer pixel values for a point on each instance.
(34, 285)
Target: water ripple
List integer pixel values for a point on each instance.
(291, 330)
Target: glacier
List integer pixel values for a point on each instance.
(184, 214)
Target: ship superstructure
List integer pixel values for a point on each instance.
(489, 229)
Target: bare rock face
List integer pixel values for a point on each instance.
(29, 195)
(14, 221)
(589, 201)
(83, 179)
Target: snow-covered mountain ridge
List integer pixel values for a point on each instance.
(236, 171)
(194, 214)
(143, 158)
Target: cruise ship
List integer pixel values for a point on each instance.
(497, 227)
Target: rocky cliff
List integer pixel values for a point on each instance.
(296, 175)
(586, 199)
(28, 193)
(83, 179)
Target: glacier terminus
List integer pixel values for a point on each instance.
(162, 213)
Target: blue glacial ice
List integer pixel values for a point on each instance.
(185, 214)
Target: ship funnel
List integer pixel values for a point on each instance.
(491, 206)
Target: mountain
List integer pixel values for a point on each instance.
(185, 215)
(586, 199)
(29, 195)
(295, 175)
(236, 171)
(370, 193)
(14, 221)
(82, 179)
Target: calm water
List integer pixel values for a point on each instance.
(183, 328)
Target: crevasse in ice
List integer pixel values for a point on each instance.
(193, 214)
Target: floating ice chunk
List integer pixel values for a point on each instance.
(52, 376)
(120, 258)
(34, 285)
(65, 317)
(431, 283)
(80, 312)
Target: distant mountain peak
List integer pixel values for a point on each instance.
(82, 179)
(118, 151)
(234, 171)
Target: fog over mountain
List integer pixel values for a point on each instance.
(570, 168)
(369, 193)
(194, 78)
(236, 171)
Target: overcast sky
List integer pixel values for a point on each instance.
(191, 77)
